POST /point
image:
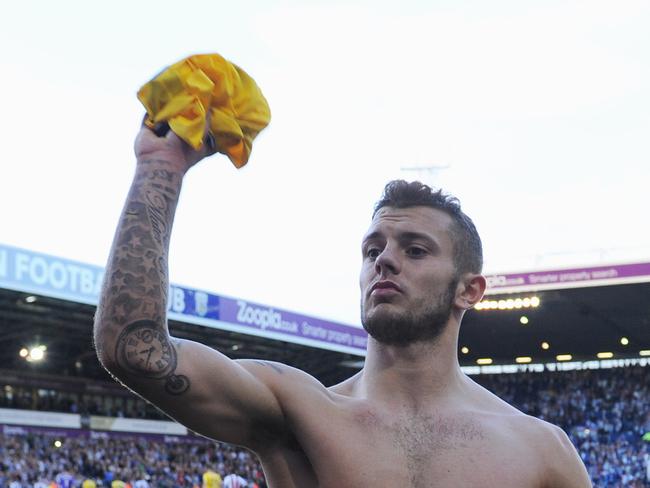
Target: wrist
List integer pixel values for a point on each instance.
(162, 160)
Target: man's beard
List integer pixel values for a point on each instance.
(408, 327)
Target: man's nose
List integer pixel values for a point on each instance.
(387, 262)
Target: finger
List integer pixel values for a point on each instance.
(210, 143)
(161, 129)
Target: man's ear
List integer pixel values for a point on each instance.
(470, 290)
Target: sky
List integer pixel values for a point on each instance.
(536, 115)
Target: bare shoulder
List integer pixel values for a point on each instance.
(550, 440)
(558, 460)
(562, 463)
(287, 382)
(275, 371)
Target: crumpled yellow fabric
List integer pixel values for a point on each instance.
(184, 93)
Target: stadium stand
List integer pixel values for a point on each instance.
(606, 413)
(30, 459)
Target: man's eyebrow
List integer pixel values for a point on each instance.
(415, 236)
(405, 236)
(373, 235)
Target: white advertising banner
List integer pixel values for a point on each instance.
(136, 425)
(40, 419)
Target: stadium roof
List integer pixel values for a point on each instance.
(587, 323)
(579, 312)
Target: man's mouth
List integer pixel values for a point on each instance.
(384, 287)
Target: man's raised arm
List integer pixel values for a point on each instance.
(198, 386)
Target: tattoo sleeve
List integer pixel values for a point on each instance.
(130, 325)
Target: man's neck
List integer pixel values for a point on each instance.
(420, 375)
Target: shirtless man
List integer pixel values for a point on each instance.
(409, 418)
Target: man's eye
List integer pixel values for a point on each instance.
(416, 251)
(372, 253)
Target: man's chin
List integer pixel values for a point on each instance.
(392, 326)
(384, 312)
(390, 337)
(387, 326)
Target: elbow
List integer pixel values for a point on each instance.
(105, 358)
(104, 345)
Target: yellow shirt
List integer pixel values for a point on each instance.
(211, 479)
(89, 484)
(205, 91)
(118, 484)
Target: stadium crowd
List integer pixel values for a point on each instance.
(35, 461)
(606, 413)
(47, 400)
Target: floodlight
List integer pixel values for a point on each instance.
(35, 353)
(509, 303)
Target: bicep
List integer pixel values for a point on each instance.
(201, 388)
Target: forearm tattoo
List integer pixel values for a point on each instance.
(134, 296)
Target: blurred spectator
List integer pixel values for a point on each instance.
(211, 479)
(65, 479)
(141, 483)
(234, 481)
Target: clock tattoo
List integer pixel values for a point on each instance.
(144, 350)
(177, 384)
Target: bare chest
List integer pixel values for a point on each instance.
(414, 451)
